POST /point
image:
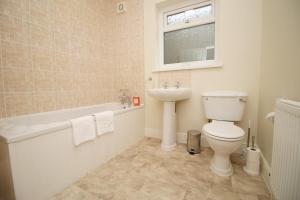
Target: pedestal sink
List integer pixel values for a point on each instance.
(169, 96)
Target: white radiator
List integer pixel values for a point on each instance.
(285, 168)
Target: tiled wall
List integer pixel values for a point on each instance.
(129, 49)
(59, 54)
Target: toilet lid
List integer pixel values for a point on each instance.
(223, 129)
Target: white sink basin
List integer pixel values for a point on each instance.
(170, 94)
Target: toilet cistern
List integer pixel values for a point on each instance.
(223, 108)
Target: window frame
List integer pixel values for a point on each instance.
(164, 27)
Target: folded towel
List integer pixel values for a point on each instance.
(83, 129)
(104, 122)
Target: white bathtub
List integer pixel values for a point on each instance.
(37, 155)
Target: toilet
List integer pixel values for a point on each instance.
(223, 108)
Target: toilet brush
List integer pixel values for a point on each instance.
(252, 143)
(248, 136)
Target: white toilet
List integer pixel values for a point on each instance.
(223, 108)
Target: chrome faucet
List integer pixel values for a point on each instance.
(125, 98)
(165, 85)
(177, 84)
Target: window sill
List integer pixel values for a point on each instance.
(188, 65)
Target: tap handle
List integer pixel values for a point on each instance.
(165, 84)
(124, 91)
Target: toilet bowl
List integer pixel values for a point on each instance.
(224, 138)
(223, 108)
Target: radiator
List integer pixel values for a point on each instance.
(285, 167)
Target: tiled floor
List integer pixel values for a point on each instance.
(146, 172)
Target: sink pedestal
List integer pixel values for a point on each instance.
(169, 127)
(169, 96)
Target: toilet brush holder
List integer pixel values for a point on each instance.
(252, 161)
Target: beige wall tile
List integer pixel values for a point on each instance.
(0, 52)
(44, 101)
(63, 26)
(14, 29)
(44, 80)
(40, 18)
(62, 42)
(64, 81)
(59, 54)
(15, 55)
(42, 58)
(62, 62)
(18, 80)
(18, 104)
(88, 66)
(76, 45)
(41, 36)
(65, 100)
(1, 81)
(82, 98)
(2, 106)
(15, 8)
(62, 10)
(76, 63)
(40, 12)
(128, 50)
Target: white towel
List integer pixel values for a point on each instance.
(83, 129)
(104, 122)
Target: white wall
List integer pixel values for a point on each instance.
(239, 25)
(280, 68)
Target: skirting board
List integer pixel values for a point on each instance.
(181, 136)
(265, 170)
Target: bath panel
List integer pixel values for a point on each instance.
(43, 159)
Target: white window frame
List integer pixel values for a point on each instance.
(164, 27)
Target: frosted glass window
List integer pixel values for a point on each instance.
(189, 14)
(190, 44)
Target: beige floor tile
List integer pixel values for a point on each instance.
(262, 197)
(74, 193)
(249, 185)
(248, 197)
(236, 159)
(163, 190)
(145, 172)
(221, 192)
(196, 193)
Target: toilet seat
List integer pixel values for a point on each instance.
(222, 130)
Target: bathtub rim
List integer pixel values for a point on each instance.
(60, 125)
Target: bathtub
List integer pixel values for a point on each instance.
(37, 155)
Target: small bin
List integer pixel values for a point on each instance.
(193, 141)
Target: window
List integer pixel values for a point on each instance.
(187, 35)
